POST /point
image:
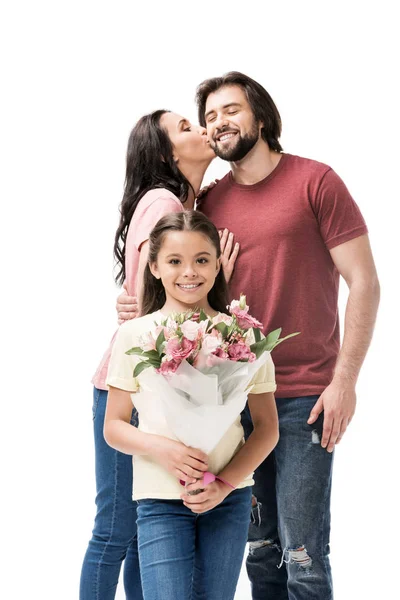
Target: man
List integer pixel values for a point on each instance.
(298, 229)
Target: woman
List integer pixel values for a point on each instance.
(166, 161)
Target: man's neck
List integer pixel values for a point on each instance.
(256, 165)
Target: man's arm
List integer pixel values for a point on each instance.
(355, 264)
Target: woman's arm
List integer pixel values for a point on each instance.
(181, 461)
(260, 443)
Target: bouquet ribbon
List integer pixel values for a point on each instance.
(209, 478)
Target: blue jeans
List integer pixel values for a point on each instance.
(114, 535)
(289, 533)
(184, 556)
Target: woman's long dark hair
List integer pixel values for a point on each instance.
(149, 164)
(153, 297)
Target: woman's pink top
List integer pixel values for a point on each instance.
(154, 205)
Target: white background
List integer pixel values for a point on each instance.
(75, 77)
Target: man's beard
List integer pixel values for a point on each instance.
(242, 147)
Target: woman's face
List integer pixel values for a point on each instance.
(190, 143)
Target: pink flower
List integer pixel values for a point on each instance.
(168, 367)
(245, 321)
(216, 356)
(241, 351)
(179, 350)
(222, 318)
(238, 304)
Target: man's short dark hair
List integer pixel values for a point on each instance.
(261, 103)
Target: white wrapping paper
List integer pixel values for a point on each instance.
(199, 406)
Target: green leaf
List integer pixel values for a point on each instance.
(270, 342)
(135, 350)
(223, 328)
(144, 364)
(151, 354)
(273, 337)
(159, 341)
(285, 338)
(203, 316)
(259, 347)
(257, 334)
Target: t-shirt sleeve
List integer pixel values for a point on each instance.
(163, 205)
(264, 380)
(339, 218)
(121, 366)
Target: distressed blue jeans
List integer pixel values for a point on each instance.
(289, 534)
(114, 535)
(184, 556)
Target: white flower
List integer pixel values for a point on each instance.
(210, 343)
(222, 318)
(190, 329)
(147, 342)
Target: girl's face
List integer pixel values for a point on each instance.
(190, 142)
(187, 265)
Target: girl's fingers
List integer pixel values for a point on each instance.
(198, 484)
(199, 458)
(184, 477)
(193, 472)
(198, 499)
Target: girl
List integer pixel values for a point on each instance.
(166, 161)
(190, 546)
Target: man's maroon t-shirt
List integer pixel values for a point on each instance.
(286, 224)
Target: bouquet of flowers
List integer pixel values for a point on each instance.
(201, 367)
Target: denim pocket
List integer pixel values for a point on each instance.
(135, 418)
(96, 396)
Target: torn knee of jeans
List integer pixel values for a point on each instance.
(255, 511)
(298, 555)
(257, 544)
(315, 438)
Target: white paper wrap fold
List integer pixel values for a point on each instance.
(199, 406)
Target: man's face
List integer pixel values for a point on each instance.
(231, 127)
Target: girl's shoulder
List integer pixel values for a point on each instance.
(140, 325)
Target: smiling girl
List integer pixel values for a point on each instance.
(188, 544)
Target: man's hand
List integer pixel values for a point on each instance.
(183, 462)
(338, 402)
(127, 306)
(214, 493)
(229, 253)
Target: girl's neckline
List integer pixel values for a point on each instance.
(164, 316)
